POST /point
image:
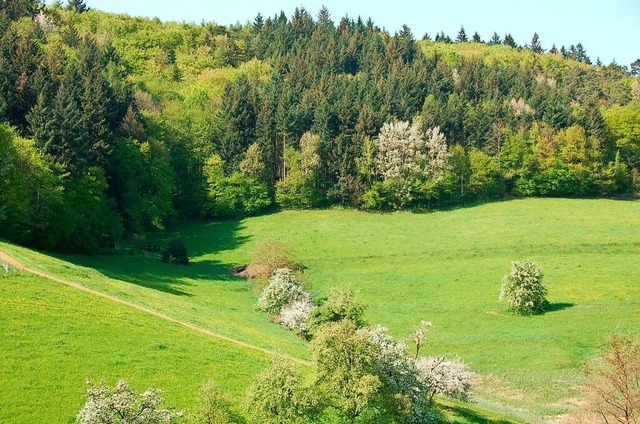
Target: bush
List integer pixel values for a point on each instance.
(279, 396)
(340, 305)
(211, 406)
(295, 316)
(269, 256)
(283, 289)
(450, 378)
(523, 290)
(176, 252)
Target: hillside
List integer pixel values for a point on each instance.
(146, 122)
(443, 267)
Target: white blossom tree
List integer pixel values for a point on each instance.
(295, 316)
(523, 289)
(406, 155)
(123, 405)
(450, 378)
(283, 289)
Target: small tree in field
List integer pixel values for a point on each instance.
(613, 381)
(523, 290)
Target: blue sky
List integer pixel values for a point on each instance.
(609, 29)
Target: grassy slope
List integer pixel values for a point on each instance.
(444, 267)
(53, 338)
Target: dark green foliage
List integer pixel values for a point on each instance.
(128, 128)
(77, 6)
(176, 252)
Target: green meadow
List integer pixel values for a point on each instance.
(444, 267)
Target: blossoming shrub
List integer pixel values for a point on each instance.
(523, 290)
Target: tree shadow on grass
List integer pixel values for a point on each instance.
(147, 270)
(559, 306)
(466, 414)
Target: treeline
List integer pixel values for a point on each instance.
(118, 125)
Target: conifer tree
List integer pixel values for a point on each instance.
(535, 44)
(462, 36)
(476, 38)
(509, 41)
(77, 6)
(495, 39)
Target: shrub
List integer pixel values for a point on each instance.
(340, 305)
(211, 406)
(269, 256)
(450, 378)
(523, 290)
(176, 252)
(613, 381)
(295, 316)
(123, 404)
(283, 289)
(278, 395)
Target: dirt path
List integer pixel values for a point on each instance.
(22, 267)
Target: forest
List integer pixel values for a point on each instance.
(112, 125)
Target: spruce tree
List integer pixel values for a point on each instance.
(77, 6)
(536, 47)
(476, 38)
(509, 41)
(495, 39)
(462, 36)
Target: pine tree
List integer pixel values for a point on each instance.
(635, 67)
(462, 36)
(258, 23)
(509, 41)
(535, 44)
(77, 6)
(495, 39)
(554, 49)
(406, 44)
(426, 37)
(476, 38)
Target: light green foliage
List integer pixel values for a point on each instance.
(523, 289)
(279, 396)
(211, 406)
(346, 360)
(484, 179)
(235, 195)
(252, 166)
(624, 124)
(301, 183)
(340, 305)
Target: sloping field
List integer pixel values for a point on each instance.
(444, 267)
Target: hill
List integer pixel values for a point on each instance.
(444, 267)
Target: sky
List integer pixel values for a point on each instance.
(609, 29)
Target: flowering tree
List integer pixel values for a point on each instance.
(523, 290)
(122, 404)
(406, 157)
(450, 378)
(295, 316)
(283, 289)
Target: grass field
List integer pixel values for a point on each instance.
(444, 267)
